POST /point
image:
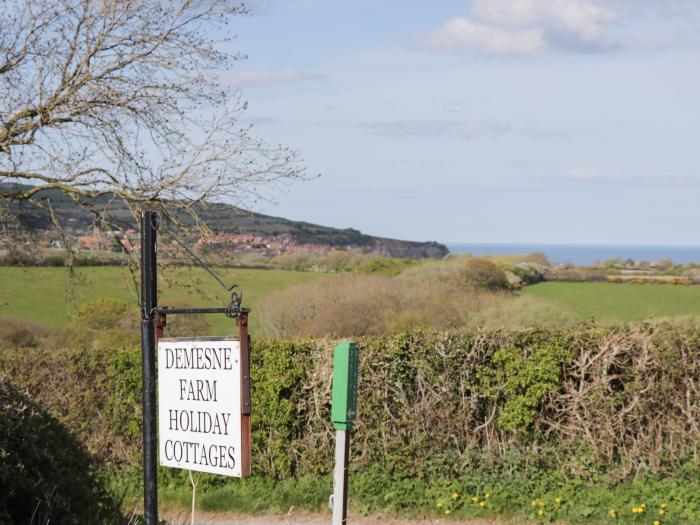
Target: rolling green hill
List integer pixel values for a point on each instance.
(219, 217)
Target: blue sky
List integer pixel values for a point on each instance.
(510, 121)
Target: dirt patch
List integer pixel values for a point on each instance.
(182, 517)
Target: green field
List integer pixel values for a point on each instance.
(610, 303)
(42, 295)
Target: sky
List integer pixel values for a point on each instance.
(500, 121)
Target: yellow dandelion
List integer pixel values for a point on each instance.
(557, 500)
(533, 503)
(447, 511)
(662, 512)
(657, 522)
(612, 513)
(487, 495)
(663, 505)
(474, 499)
(482, 504)
(540, 512)
(439, 503)
(455, 495)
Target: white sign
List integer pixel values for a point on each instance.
(199, 404)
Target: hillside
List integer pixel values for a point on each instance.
(221, 219)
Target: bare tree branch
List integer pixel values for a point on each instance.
(125, 98)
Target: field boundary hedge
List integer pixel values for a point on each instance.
(590, 406)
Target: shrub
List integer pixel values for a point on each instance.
(45, 473)
(101, 314)
(299, 260)
(537, 258)
(484, 274)
(574, 274)
(342, 260)
(423, 296)
(520, 379)
(15, 333)
(104, 323)
(348, 305)
(530, 273)
(385, 265)
(21, 255)
(54, 260)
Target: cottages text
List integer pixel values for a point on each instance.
(200, 417)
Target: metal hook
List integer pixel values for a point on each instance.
(234, 306)
(155, 221)
(236, 296)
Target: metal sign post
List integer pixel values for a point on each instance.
(343, 412)
(149, 303)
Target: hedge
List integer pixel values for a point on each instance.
(531, 412)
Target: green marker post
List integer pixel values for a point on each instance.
(343, 412)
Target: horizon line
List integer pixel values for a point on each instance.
(552, 244)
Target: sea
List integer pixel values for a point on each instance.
(584, 254)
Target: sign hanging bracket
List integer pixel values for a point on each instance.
(234, 306)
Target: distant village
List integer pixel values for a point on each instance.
(229, 243)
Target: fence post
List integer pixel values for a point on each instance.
(343, 412)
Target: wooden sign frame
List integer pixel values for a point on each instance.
(246, 423)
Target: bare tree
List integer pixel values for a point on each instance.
(126, 98)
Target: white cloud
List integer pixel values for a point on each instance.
(582, 20)
(460, 35)
(524, 27)
(268, 77)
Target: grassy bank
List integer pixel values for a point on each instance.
(507, 498)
